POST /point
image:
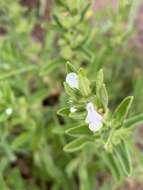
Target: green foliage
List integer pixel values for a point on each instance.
(43, 148)
(112, 137)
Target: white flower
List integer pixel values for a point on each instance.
(72, 80)
(94, 119)
(73, 109)
(9, 111)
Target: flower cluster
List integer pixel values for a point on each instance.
(93, 118)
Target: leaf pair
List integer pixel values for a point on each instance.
(83, 137)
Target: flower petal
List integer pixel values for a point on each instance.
(94, 119)
(72, 80)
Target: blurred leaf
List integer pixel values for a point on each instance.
(64, 111)
(72, 166)
(83, 12)
(21, 140)
(134, 121)
(3, 185)
(99, 81)
(8, 151)
(49, 67)
(70, 68)
(123, 156)
(112, 164)
(84, 177)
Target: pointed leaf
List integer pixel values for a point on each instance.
(64, 111)
(21, 140)
(72, 166)
(70, 68)
(103, 96)
(134, 121)
(76, 144)
(49, 67)
(122, 111)
(79, 131)
(84, 12)
(84, 177)
(69, 91)
(122, 154)
(99, 81)
(78, 115)
(84, 85)
(113, 165)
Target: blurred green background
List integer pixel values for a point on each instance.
(37, 38)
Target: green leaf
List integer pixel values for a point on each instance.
(134, 121)
(123, 156)
(71, 92)
(64, 111)
(49, 67)
(21, 140)
(122, 111)
(8, 151)
(103, 96)
(79, 131)
(99, 81)
(112, 164)
(58, 22)
(84, 85)
(84, 12)
(3, 185)
(76, 144)
(84, 177)
(50, 166)
(72, 166)
(78, 115)
(70, 68)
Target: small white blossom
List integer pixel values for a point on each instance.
(94, 119)
(72, 80)
(9, 111)
(73, 109)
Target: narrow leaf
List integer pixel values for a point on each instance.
(122, 154)
(69, 90)
(49, 67)
(99, 81)
(134, 121)
(76, 144)
(64, 111)
(84, 12)
(84, 86)
(70, 68)
(79, 131)
(104, 96)
(21, 140)
(122, 111)
(113, 165)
